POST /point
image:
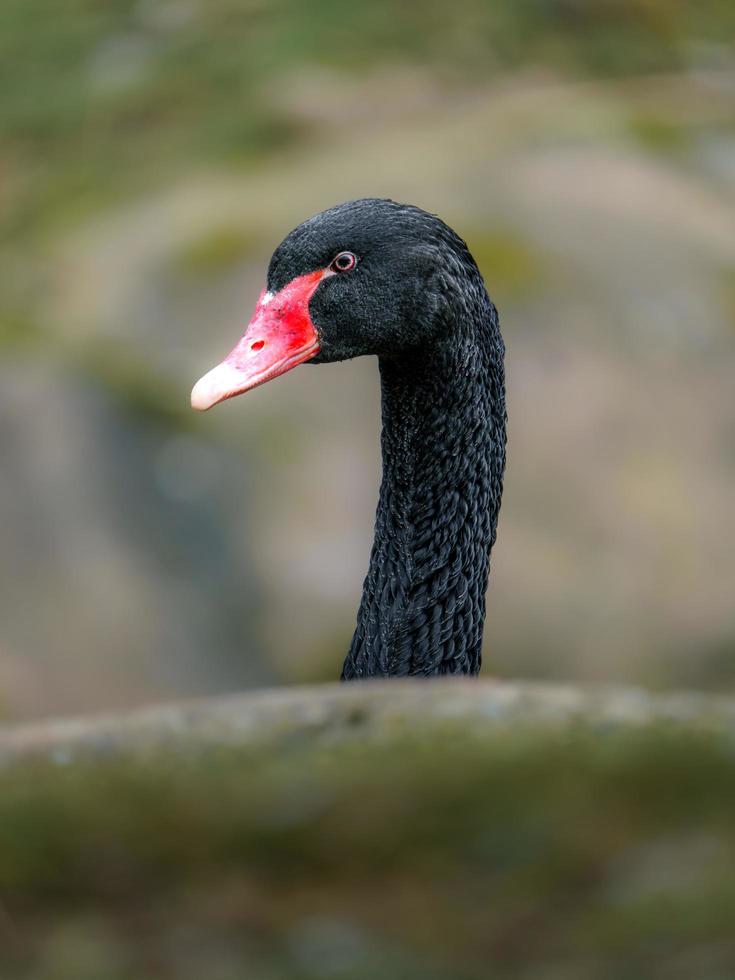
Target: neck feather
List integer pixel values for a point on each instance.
(443, 447)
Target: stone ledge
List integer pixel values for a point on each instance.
(366, 709)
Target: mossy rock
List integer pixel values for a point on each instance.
(374, 832)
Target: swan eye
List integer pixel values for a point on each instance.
(343, 262)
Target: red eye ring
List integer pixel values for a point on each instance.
(344, 262)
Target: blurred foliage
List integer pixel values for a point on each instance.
(91, 89)
(655, 132)
(131, 383)
(509, 264)
(213, 252)
(19, 332)
(728, 291)
(425, 853)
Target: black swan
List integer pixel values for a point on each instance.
(376, 277)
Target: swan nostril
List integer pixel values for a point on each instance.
(258, 345)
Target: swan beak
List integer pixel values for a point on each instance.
(279, 336)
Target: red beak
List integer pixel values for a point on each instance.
(279, 336)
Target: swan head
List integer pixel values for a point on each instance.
(366, 277)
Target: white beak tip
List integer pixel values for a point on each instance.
(200, 397)
(221, 382)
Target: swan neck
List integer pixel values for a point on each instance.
(443, 446)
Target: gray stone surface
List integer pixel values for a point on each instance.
(357, 710)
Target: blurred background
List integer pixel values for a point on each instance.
(154, 154)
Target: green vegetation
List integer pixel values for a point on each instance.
(657, 133)
(18, 332)
(539, 853)
(214, 252)
(99, 99)
(511, 266)
(728, 292)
